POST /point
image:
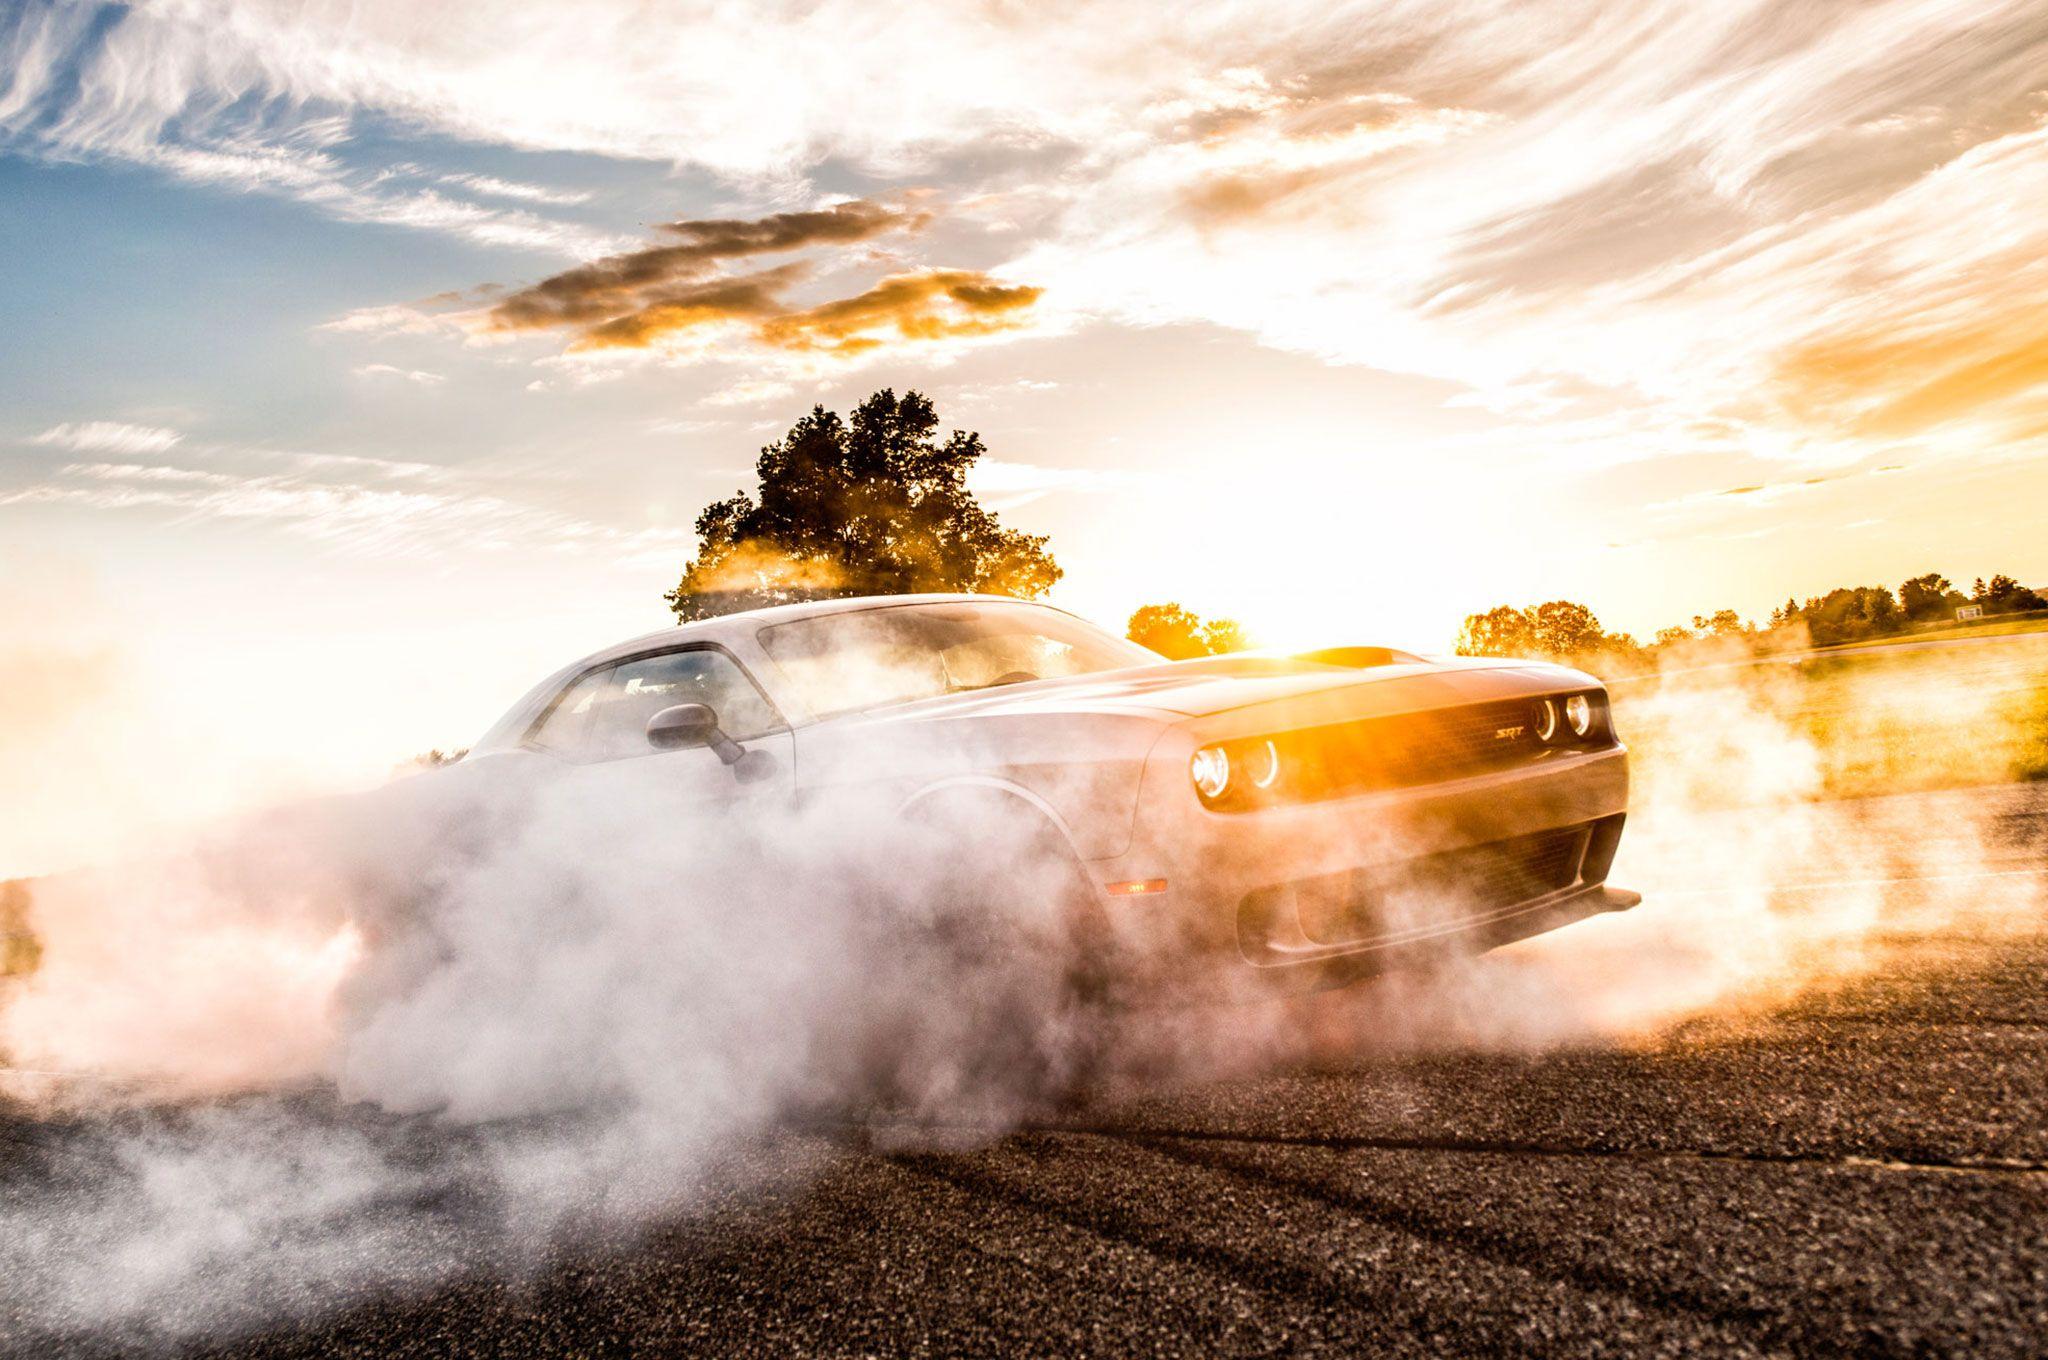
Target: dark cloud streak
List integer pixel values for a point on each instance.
(635, 300)
(608, 290)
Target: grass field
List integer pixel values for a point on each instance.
(1878, 722)
(17, 947)
(2036, 623)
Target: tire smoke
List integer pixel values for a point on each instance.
(369, 1046)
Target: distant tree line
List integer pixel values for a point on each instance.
(1851, 613)
(1567, 630)
(1179, 634)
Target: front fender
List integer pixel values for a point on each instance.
(1080, 772)
(1000, 791)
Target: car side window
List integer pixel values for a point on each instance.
(637, 690)
(568, 721)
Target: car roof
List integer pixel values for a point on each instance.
(748, 620)
(722, 628)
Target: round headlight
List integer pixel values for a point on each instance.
(1578, 711)
(1210, 769)
(1546, 720)
(1262, 764)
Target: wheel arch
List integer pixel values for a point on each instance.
(1027, 806)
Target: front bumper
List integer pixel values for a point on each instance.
(1313, 895)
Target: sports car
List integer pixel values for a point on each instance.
(1292, 821)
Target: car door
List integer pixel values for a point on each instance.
(597, 727)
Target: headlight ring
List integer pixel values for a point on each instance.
(1262, 764)
(1209, 767)
(1235, 771)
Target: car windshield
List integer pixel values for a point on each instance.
(874, 658)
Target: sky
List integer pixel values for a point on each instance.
(365, 360)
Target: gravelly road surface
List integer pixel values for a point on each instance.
(1862, 1171)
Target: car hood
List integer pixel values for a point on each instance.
(1175, 690)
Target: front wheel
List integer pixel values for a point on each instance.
(1013, 941)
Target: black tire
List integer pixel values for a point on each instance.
(1022, 951)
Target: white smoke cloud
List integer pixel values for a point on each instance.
(477, 950)
(474, 1017)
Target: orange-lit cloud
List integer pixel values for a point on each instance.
(926, 305)
(642, 298)
(1899, 379)
(611, 288)
(1263, 152)
(933, 304)
(642, 321)
(365, 506)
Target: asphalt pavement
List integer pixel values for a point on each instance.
(1858, 1170)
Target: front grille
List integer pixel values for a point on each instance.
(1440, 889)
(1414, 748)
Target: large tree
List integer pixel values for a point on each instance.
(877, 505)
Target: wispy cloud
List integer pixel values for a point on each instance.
(749, 392)
(1813, 222)
(169, 91)
(681, 84)
(1004, 484)
(147, 472)
(1800, 222)
(394, 319)
(417, 376)
(494, 187)
(363, 506)
(108, 436)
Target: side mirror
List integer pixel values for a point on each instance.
(683, 725)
